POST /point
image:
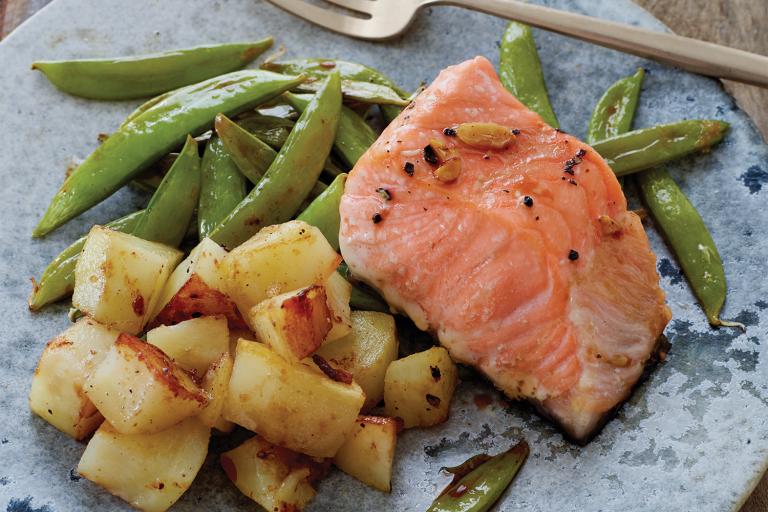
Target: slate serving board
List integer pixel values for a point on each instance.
(693, 437)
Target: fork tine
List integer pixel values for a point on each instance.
(363, 6)
(333, 21)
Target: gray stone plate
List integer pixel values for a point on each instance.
(693, 437)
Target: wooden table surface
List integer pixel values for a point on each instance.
(737, 23)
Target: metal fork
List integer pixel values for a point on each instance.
(384, 19)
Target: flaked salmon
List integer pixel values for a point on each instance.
(512, 243)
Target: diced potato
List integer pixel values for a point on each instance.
(57, 388)
(276, 260)
(369, 451)
(276, 478)
(140, 390)
(216, 384)
(419, 388)
(338, 291)
(119, 277)
(149, 471)
(196, 288)
(366, 352)
(292, 405)
(193, 344)
(293, 324)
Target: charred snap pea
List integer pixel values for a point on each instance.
(348, 71)
(58, 279)
(687, 235)
(293, 173)
(170, 210)
(363, 92)
(520, 71)
(144, 75)
(222, 187)
(646, 148)
(483, 485)
(251, 155)
(323, 212)
(353, 137)
(615, 111)
(154, 133)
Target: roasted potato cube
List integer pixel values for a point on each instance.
(57, 388)
(119, 277)
(369, 451)
(140, 390)
(365, 352)
(276, 260)
(149, 471)
(419, 388)
(276, 478)
(293, 324)
(193, 344)
(216, 384)
(338, 291)
(290, 404)
(196, 288)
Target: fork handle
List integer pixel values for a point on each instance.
(691, 54)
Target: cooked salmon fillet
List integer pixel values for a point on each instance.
(527, 266)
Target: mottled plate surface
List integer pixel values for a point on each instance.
(693, 437)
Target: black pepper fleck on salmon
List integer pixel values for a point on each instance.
(429, 155)
(408, 168)
(377, 218)
(573, 255)
(450, 132)
(528, 201)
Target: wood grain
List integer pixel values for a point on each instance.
(737, 23)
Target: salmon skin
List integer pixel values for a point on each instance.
(523, 260)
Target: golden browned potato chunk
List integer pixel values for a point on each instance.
(216, 384)
(290, 404)
(119, 277)
(149, 471)
(57, 388)
(419, 388)
(193, 344)
(140, 390)
(276, 478)
(369, 451)
(338, 290)
(276, 260)
(366, 352)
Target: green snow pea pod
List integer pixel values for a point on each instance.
(363, 298)
(353, 137)
(251, 155)
(58, 279)
(270, 129)
(363, 92)
(146, 106)
(293, 173)
(689, 238)
(323, 212)
(520, 71)
(170, 210)
(125, 78)
(484, 485)
(648, 147)
(615, 111)
(348, 71)
(222, 187)
(154, 133)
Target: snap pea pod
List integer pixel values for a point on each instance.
(353, 137)
(146, 106)
(170, 210)
(363, 298)
(348, 71)
(251, 155)
(689, 238)
(270, 129)
(649, 147)
(154, 133)
(615, 110)
(482, 487)
(58, 279)
(222, 187)
(363, 92)
(125, 78)
(293, 173)
(520, 71)
(323, 212)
